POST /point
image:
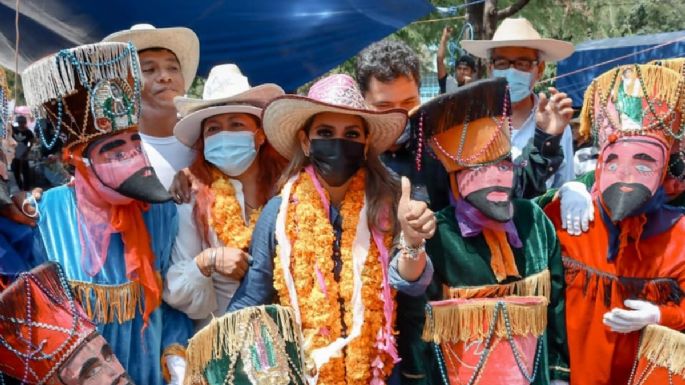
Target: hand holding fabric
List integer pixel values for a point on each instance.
(177, 369)
(642, 313)
(554, 113)
(577, 210)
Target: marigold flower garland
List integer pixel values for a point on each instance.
(312, 237)
(227, 215)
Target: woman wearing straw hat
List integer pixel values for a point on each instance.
(233, 176)
(322, 246)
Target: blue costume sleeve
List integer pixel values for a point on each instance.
(257, 287)
(414, 288)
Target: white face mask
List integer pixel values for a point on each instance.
(231, 151)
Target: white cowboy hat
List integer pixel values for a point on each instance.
(519, 32)
(226, 91)
(286, 115)
(183, 42)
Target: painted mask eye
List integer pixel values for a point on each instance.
(612, 167)
(643, 168)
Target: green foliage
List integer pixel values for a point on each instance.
(12, 80)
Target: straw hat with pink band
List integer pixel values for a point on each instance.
(286, 115)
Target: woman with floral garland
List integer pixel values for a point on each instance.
(232, 177)
(322, 246)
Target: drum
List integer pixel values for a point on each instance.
(660, 359)
(487, 341)
(257, 345)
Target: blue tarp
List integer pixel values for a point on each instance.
(593, 52)
(288, 42)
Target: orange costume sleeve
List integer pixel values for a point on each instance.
(594, 286)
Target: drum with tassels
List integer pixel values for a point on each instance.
(660, 359)
(257, 345)
(487, 341)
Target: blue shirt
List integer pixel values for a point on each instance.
(257, 286)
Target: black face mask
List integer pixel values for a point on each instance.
(145, 187)
(499, 211)
(336, 160)
(622, 204)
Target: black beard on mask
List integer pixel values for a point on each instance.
(499, 211)
(142, 186)
(336, 160)
(622, 204)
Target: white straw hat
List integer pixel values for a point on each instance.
(519, 32)
(226, 91)
(183, 42)
(286, 115)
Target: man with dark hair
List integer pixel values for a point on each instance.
(168, 59)
(464, 67)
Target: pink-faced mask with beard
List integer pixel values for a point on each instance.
(631, 170)
(119, 163)
(489, 189)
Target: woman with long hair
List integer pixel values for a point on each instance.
(323, 245)
(233, 176)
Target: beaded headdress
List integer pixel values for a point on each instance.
(41, 325)
(468, 128)
(634, 100)
(86, 92)
(255, 345)
(4, 105)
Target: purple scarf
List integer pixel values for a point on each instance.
(472, 221)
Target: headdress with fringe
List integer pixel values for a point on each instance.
(634, 100)
(86, 91)
(468, 128)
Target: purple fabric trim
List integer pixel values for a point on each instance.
(471, 222)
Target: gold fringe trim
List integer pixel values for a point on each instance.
(664, 347)
(171, 350)
(676, 64)
(661, 83)
(225, 336)
(470, 320)
(105, 304)
(538, 284)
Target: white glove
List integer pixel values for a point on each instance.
(558, 382)
(177, 369)
(642, 314)
(577, 210)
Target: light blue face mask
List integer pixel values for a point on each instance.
(519, 82)
(231, 151)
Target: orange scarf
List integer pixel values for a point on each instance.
(502, 260)
(140, 260)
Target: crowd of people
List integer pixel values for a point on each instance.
(350, 236)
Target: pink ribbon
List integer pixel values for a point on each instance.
(387, 341)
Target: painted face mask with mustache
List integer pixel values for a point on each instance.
(489, 189)
(94, 363)
(632, 170)
(119, 163)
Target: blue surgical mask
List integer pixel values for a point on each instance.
(231, 151)
(519, 82)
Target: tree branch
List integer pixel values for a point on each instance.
(512, 9)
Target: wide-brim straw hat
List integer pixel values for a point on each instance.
(183, 42)
(519, 32)
(226, 91)
(286, 115)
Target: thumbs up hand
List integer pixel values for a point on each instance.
(416, 220)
